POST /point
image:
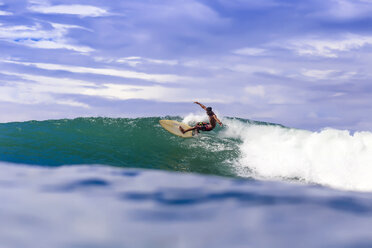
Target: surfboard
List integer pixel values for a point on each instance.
(173, 127)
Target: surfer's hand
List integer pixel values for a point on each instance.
(196, 102)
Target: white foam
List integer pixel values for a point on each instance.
(330, 157)
(193, 118)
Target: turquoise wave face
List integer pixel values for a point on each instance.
(140, 143)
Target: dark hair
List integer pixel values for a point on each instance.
(209, 111)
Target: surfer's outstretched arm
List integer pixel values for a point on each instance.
(218, 121)
(201, 105)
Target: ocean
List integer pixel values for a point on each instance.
(127, 182)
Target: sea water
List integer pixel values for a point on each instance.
(106, 182)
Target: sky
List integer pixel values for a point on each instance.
(303, 64)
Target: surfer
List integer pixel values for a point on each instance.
(204, 126)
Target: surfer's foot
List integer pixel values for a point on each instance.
(181, 129)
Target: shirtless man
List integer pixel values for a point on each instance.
(203, 126)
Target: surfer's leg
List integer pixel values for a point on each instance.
(187, 130)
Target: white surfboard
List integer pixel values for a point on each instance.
(173, 127)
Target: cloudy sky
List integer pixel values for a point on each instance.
(304, 64)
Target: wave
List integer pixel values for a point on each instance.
(242, 148)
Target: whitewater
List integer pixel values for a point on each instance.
(330, 157)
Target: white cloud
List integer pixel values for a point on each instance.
(38, 37)
(5, 13)
(33, 89)
(206, 65)
(134, 61)
(131, 61)
(155, 92)
(247, 68)
(38, 2)
(348, 9)
(234, 65)
(318, 74)
(160, 61)
(338, 94)
(18, 31)
(272, 94)
(267, 114)
(80, 10)
(159, 78)
(329, 48)
(257, 90)
(328, 74)
(125, 92)
(72, 103)
(250, 51)
(47, 44)
(65, 84)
